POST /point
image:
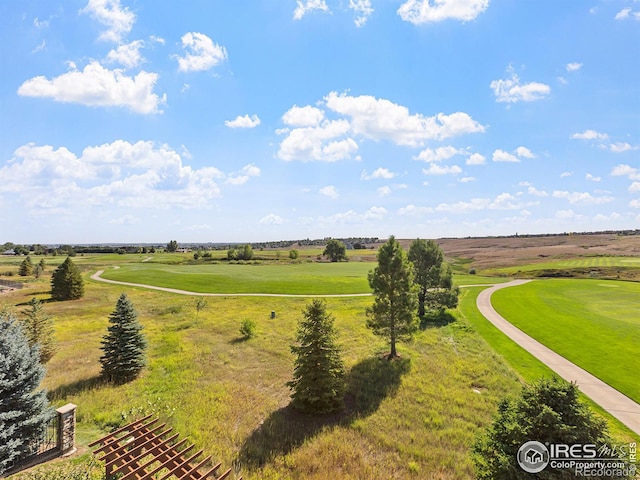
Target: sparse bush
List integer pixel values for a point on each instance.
(293, 254)
(472, 271)
(248, 328)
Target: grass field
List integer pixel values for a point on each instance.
(582, 262)
(595, 324)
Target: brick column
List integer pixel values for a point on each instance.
(67, 429)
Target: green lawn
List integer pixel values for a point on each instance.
(582, 262)
(593, 323)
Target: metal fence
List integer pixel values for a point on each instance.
(10, 284)
(44, 445)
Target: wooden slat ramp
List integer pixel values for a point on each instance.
(146, 450)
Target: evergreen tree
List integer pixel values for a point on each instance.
(392, 314)
(66, 282)
(124, 345)
(548, 411)
(24, 411)
(318, 376)
(433, 278)
(38, 327)
(26, 267)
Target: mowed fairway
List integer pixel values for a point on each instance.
(300, 279)
(593, 323)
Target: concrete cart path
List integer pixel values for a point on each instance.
(614, 402)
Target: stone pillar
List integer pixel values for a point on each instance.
(67, 429)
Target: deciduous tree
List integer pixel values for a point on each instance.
(433, 278)
(318, 376)
(24, 410)
(392, 314)
(172, 246)
(335, 250)
(124, 345)
(66, 282)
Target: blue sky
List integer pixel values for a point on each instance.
(250, 120)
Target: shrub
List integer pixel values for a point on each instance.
(248, 328)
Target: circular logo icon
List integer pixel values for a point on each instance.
(533, 457)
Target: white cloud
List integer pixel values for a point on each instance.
(634, 203)
(40, 23)
(139, 175)
(626, 170)
(127, 55)
(375, 213)
(538, 193)
(620, 147)
(476, 159)
(39, 47)
(202, 54)
(566, 174)
(363, 10)
(317, 143)
(243, 122)
(97, 86)
(414, 211)
(511, 90)
(243, 176)
(592, 178)
(271, 219)
(119, 21)
(503, 201)
(424, 11)
(329, 191)
(307, 6)
(352, 217)
(125, 220)
(156, 39)
(307, 116)
(467, 179)
(573, 66)
(382, 119)
(384, 191)
(524, 152)
(582, 198)
(437, 155)
(634, 187)
(378, 173)
(627, 13)
(435, 169)
(589, 135)
(502, 156)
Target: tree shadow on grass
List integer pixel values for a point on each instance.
(435, 320)
(74, 388)
(368, 384)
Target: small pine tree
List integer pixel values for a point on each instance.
(66, 282)
(548, 411)
(38, 327)
(26, 267)
(124, 345)
(318, 377)
(24, 411)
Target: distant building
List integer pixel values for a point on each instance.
(9, 252)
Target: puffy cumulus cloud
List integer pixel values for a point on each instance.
(363, 10)
(243, 121)
(202, 53)
(592, 178)
(437, 155)
(634, 203)
(242, 177)
(384, 191)
(307, 6)
(620, 147)
(524, 152)
(271, 219)
(413, 210)
(502, 156)
(381, 119)
(307, 116)
(97, 86)
(378, 173)
(503, 201)
(329, 191)
(435, 169)
(573, 66)
(127, 55)
(531, 190)
(624, 170)
(589, 135)
(467, 179)
(427, 11)
(511, 90)
(582, 198)
(136, 175)
(634, 187)
(476, 159)
(626, 13)
(352, 217)
(118, 20)
(318, 143)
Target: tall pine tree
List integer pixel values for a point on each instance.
(66, 282)
(318, 376)
(38, 327)
(24, 410)
(392, 314)
(124, 345)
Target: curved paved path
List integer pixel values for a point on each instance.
(614, 402)
(96, 276)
